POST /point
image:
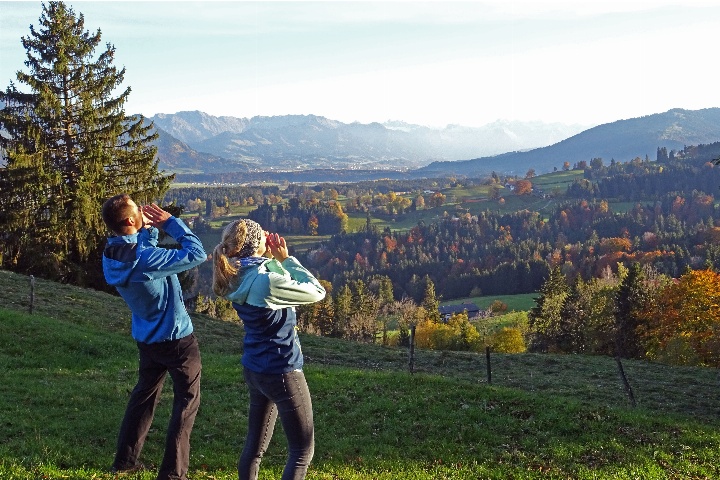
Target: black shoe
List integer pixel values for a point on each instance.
(125, 471)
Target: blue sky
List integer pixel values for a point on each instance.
(430, 63)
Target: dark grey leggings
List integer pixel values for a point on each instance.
(288, 395)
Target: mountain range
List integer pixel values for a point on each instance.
(302, 147)
(195, 142)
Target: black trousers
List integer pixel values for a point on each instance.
(180, 358)
(288, 395)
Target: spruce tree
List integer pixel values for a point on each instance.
(430, 302)
(343, 311)
(67, 146)
(545, 316)
(629, 298)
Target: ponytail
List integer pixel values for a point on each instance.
(224, 270)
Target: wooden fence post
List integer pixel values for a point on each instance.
(487, 361)
(32, 293)
(412, 348)
(626, 384)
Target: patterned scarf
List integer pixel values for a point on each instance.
(246, 261)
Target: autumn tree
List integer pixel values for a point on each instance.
(684, 328)
(457, 334)
(312, 225)
(465, 336)
(66, 146)
(508, 340)
(523, 187)
(437, 199)
(498, 307)
(407, 315)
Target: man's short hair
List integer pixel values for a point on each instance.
(115, 211)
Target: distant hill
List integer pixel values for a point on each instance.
(308, 142)
(622, 141)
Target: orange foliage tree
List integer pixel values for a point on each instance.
(523, 187)
(615, 244)
(683, 328)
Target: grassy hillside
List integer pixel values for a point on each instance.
(68, 369)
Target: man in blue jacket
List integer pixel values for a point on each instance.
(145, 275)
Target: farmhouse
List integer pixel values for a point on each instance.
(447, 311)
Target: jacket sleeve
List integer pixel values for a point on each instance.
(295, 286)
(162, 262)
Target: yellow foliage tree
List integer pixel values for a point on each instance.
(457, 334)
(508, 340)
(424, 334)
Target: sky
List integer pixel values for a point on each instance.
(428, 63)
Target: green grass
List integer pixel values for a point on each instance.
(556, 180)
(519, 303)
(68, 368)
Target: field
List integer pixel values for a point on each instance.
(68, 368)
(518, 303)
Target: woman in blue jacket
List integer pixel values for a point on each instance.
(253, 269)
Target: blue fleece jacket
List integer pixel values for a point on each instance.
(265, 299)
(145, 275)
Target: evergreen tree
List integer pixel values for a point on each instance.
(545, 317)
(430, 302)
(326, 312)
(569, 336)
(343, 310)
(67, 146)
(382, 287)
(629, 298)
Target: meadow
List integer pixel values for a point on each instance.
(69, 366)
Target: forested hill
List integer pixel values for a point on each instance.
(621, 141)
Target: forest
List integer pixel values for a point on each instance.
(384, 280)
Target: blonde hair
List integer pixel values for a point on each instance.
(232, 240)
